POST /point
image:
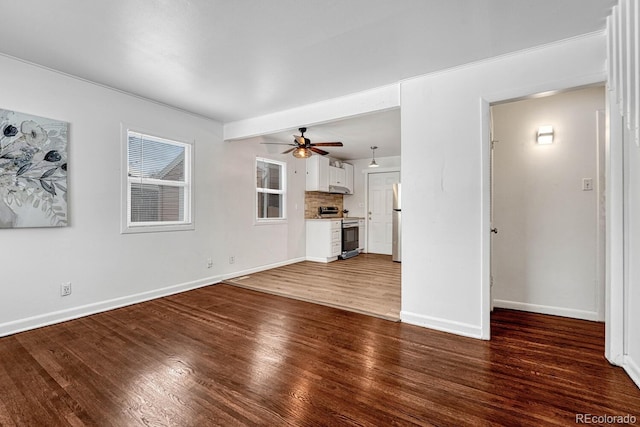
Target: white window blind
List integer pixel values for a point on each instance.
(270, 189)
(158, 181)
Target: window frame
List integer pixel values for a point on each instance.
(261, 190)
(157, 226)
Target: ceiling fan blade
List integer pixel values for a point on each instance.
(289, 150)
(300, 140)
(277, 143)
(327, 144)
(319, 151)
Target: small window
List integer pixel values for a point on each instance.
(158, 184)
(271, 189)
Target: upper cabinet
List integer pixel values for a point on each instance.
(337, 177)
(317, 174)
(348, 168)
(321, 176)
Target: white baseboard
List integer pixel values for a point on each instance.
(444, 325)
(547, 309)
(51, 318)
(261, 268)
(323, 260)
(632, 369)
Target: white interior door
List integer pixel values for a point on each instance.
(380, 201)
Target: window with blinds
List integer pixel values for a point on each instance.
(158, 183)
(270, 190)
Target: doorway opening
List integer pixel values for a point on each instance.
(547, 207)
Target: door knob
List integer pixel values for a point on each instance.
(494, 230)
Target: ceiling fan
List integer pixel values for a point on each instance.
(303, 147)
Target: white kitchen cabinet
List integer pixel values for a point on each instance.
(324, 239)
(337, 177)
(348, 169)
(361, 234)
(321, 176)
(317, 174)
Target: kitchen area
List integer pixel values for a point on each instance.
(331, 232)
(352, 240)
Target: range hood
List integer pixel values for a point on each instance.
(339, 190)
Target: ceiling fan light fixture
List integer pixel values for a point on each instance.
(373, 163)
(301, 153)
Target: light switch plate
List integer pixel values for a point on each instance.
(587, 184)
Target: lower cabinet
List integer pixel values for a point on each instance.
(361, 235)
(324, 239)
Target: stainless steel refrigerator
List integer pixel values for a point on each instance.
(396, 238)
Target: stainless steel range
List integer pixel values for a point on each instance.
(350, 238)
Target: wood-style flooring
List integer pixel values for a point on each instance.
(223, 355)
(367, 283)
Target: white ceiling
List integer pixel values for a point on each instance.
(235, 59)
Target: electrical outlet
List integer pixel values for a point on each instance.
(65, 289)
(587, 184)
(209, 262)
(232, 259)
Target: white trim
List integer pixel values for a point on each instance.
(34, 322)
(637, 71)
(547, 309)
(615, 240)
(51, 318)
(632, 369)
(284, 177)
(189, 184)
(261, 268)
(601, 209)
(632, 69)
(444, 325)
(323, 260)
(622, 58)
(485, 230)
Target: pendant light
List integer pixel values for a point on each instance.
(373, 163)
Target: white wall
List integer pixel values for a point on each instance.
(109, 269)
(445, 153)
(545, 257)
(255, 246)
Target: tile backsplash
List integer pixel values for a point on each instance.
(314, 199)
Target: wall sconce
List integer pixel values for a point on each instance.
(545, 135)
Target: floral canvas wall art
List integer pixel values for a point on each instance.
(33, 171)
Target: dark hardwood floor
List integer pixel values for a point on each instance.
(224, 355)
